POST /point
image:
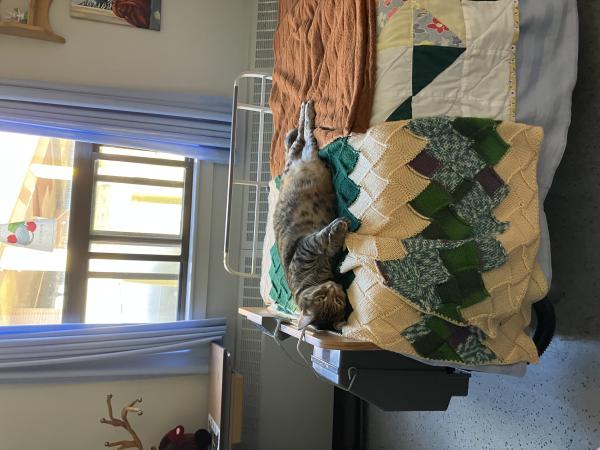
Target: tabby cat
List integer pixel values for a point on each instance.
(307, 232)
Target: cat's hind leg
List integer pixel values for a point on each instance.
(296, 146)
(290, 138)
(311, 148)
(294, 140)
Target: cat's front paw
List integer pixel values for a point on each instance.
(337, 234)
(339, 227)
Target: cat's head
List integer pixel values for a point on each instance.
(325, 302)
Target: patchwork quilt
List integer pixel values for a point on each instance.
(445, 57)
(441, 262)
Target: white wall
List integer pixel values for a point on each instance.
(202, 46)
(67, 416)
(296, 408)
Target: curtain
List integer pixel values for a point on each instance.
(190, 125)
(86, 351)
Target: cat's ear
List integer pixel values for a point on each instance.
(305, 320)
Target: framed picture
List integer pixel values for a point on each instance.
(132, 13)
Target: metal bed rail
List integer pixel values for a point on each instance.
(262, 109)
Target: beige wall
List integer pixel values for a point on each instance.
(202, 46)
(67, 416)
(216, 291)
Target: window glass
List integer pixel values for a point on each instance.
(114, 300)
(139, 153)
(36, 181)
(134, 208)
(145, 249)
(136, 170)
(134, 200)
(124, 266)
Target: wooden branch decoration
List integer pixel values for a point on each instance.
(123, 422)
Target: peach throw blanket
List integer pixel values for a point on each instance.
(324, 51)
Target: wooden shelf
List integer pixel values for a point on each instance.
(322, 339)
(37, 26)
(29, 31)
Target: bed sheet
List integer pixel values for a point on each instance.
(546, 76)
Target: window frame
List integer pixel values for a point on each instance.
(81, 233)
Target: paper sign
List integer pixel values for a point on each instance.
(37, 234)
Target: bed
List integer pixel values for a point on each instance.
(418, 66)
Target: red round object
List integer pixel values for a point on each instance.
(11, 239)
(31, 226)
(136, 12)
(176, 435)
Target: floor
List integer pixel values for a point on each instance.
(557, 404)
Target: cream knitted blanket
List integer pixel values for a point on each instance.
(441, 264)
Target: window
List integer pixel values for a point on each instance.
(129, 246)
(122, 240)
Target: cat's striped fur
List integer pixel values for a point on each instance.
(307, 232)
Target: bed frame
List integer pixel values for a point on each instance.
(263, 109)
(385, 379)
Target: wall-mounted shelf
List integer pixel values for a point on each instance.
(37, 26)
(320, 339)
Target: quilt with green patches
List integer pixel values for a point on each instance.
(440, 263)
(445, 57)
